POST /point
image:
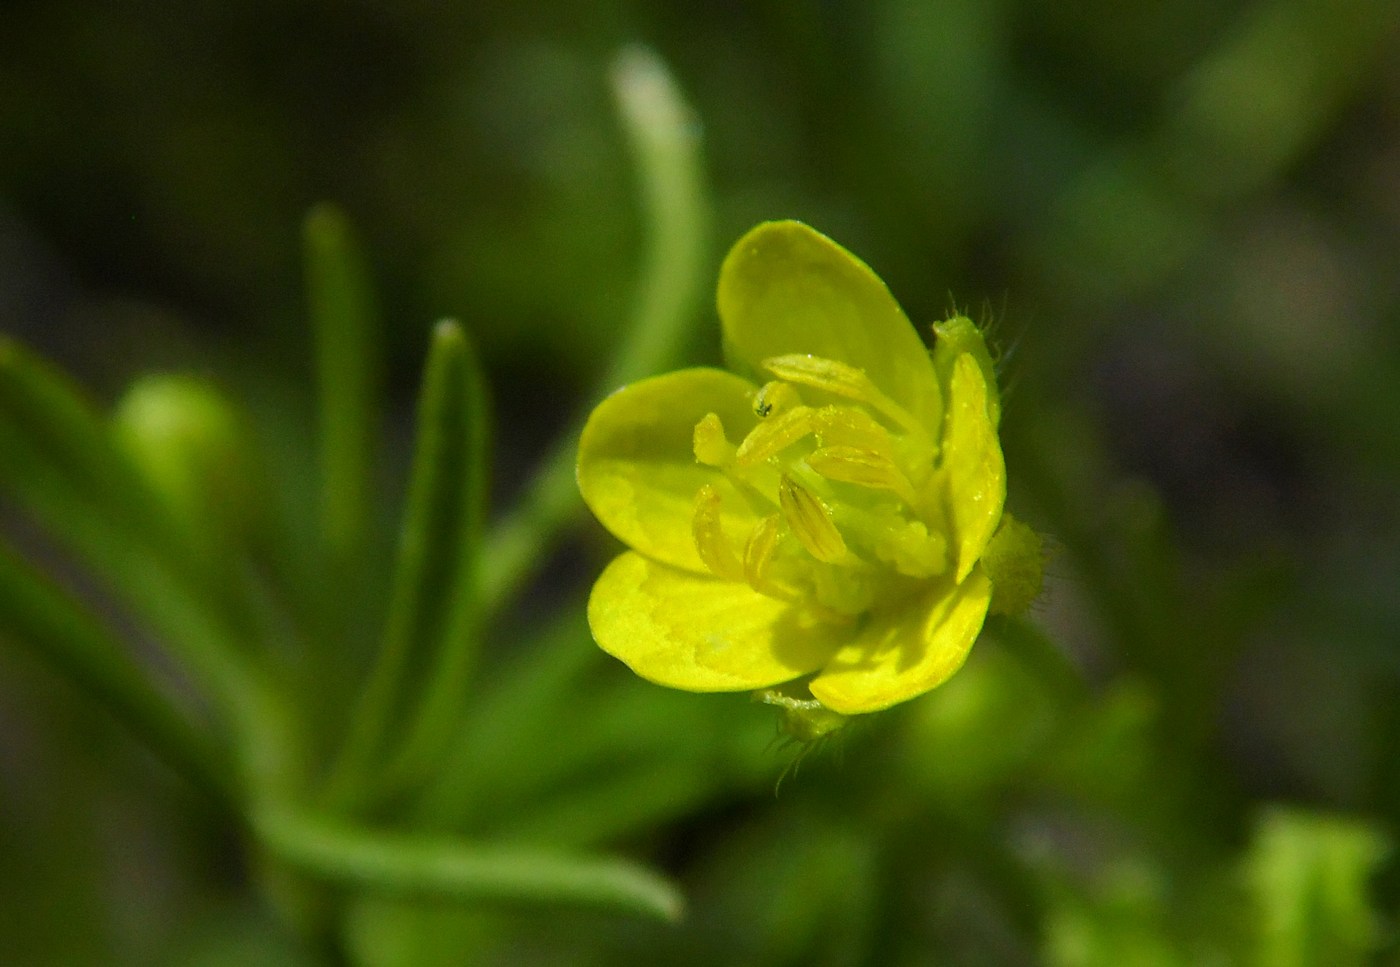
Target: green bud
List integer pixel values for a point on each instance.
(192, 446)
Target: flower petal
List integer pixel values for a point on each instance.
(972, 460)
(787, 289)
(908, 651)
(636, 466)
(700, 633)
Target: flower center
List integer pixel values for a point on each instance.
(844, 484)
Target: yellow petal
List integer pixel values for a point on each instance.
(636, 461)
(703, 634)
(785, 289)
(976, 472)
(904, 653)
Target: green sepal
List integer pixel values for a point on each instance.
(954, 337)
(1015, 561)
(803, 718)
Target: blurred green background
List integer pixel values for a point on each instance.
(1181, 221)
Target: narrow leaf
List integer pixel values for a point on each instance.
(61, 463)
(60, 460)
(1308, 876)
(348, 371)
(409, 865)
(36, 613)
(415, 688)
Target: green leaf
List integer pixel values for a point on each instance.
(1307, 874)
(414, 692)
(349, 373)
(410, 865)
(60, 459)
(38, 614)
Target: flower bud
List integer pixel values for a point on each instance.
(192, 447)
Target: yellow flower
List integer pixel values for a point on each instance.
(817, 517)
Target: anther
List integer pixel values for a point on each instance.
(758, 558)
(773, 398)
(864, 468)
(840, 380)
(851, 426)
(810, 521)
(711, 446)
(774, 435)
(710, 541)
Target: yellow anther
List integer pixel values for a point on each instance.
(711, 446)
(840, 379)
(758, 559)
(864, 468)
(710, 541)
(810, 521)
(851, 426)
(774, 398)
(775, 435)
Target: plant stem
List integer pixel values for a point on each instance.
(664, 139)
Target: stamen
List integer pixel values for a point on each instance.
(810, 521)
(841, 380)
(773, 398)
(851, 426)
(710, 541)
(863, 468)
(758, 559)
(710, 444)
(774, 435)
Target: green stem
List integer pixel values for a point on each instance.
(416, 866)
(664, 139)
